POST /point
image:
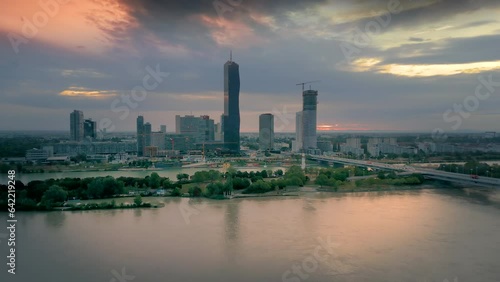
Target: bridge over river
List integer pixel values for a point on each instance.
(430, 173)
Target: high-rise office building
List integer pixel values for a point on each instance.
(231, 117)
(202, 128)
(147, 134)
(163, 128)
(76, 125)
(309, 116)
(266, 132)
(305, 123)
(140, 136)
(207, 128)
(158, 140)
(89, 129)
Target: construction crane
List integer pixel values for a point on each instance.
(309, 82)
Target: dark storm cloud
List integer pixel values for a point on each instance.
(183, 9)
(269, 71)
(179, 21)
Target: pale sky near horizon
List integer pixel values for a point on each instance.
(421, 59)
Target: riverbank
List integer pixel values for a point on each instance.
(117, 203)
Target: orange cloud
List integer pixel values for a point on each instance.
(342, 127)
(83, 92)
(66, 23)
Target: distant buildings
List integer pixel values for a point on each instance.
(76, 125)
(90, 129)
(352, 146)
(389, 145)
(163, 128)
(179, 142)
(231, 117)
(490, 134)
(201, 129)
(158, 140)
(306, 121)
(94, 148)
(40, 154)
(266, 132)
(325, 146)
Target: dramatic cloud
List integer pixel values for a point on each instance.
(411, 60)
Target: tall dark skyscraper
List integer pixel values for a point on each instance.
(76, 125)
(231, 117)
(140, 136)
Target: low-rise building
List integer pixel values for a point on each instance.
(36, 155)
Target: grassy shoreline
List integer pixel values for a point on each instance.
(122, 202)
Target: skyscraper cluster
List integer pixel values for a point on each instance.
(192, 132)
(81, 128)
(149, 142)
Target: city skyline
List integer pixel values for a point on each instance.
(428, 57)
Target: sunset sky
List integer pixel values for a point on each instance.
(423, 58)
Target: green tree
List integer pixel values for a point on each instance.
(228, 186)
(381, 175)
(295, 172)
(182, 176)
(154, 180)
(215, 189)
(138, 200)
(240, 183)
(176, 192)
(258, 187)
(167, 183)
(195, 191)
(95, 189)
(200, 176)
(104, 187)
(55, 194)
(281, 183)
(322, 180)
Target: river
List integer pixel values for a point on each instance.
(426, 235)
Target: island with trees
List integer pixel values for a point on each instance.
(133, 192)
